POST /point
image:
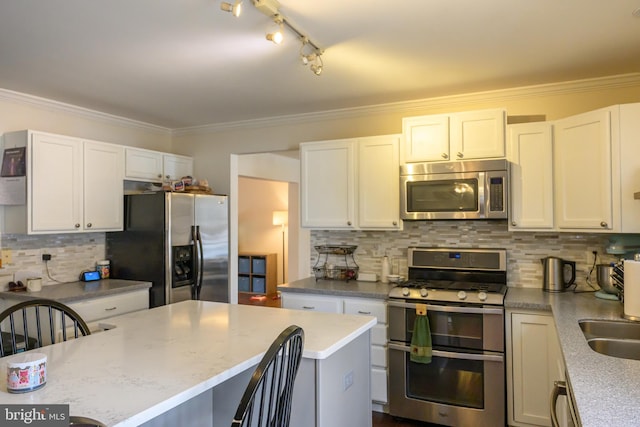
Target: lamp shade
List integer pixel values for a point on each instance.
(280, 217)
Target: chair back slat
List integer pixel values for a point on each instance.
(267, 399)
(34, 314)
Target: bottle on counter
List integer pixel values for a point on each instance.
(103, 268)
(384, 277)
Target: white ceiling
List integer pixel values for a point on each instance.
(183, 63)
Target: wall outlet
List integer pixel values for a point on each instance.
(347, 380)
(7, 257)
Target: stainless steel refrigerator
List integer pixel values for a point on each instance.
(177, 241)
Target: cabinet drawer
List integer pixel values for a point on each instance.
(371, 308)
(379, 356)
(379, 335)
(102, 308)
(314, 303)
(379, 385)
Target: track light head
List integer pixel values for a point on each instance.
(235, 9)
(277, 36)
(317, 65)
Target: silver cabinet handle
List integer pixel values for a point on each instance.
(168, 176)
(159, 175)
(306, 307)
(348, 222)
(460, 155)
(363, 312)
(445, 156)
(603, 224)
(514, 223)
(89, 225)
(77, 226)
(110, 309)
(559, 388)
(448, 308)
(395, 223)
(490, 357)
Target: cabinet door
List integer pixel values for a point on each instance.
(582, 167)
(328, 184)
(143, 164)
(478, 134)
(426, 138)
(531, 155)
(536, 364)
(55, 184)
(378, 178)
(103, 186)
(175, 167)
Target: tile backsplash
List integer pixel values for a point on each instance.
(524, 249)
(70, 254)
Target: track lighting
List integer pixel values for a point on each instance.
(310, 52)
(278, 35)
(235, 9)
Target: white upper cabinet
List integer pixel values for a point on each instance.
(328, 174)
(149, 165)
(143, 164)
(530, 153)
(103, 191)
(175, 167)
(592, 161)
(458, 136)
(378, 182)
(426, 138)
(351, 183)
(73, 185)
(583, 171)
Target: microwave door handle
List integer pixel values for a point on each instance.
(448, 308)
(452, 355)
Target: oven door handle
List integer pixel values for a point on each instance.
(448, 308)
(452, 355)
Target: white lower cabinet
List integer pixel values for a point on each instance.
(534, 362)
(364, 306)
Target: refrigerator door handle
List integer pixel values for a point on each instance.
(196, 257)
(201, 261)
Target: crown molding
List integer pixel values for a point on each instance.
(559, 88)
(56, 106)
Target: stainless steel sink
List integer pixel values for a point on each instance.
(613, 338)
(610, 329)
(625, 349)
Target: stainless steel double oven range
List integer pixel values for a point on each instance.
(464, 385)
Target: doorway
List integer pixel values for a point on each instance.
(251, 173)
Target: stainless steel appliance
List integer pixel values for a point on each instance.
(464, 385)
(554, 274)
(474, 189)
(177, 241)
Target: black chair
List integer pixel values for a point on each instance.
(37, 323)
(267, 399)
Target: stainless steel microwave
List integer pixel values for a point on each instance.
(470, 189)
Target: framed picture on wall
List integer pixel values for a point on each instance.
(14, 162)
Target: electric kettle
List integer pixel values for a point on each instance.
(554, 272)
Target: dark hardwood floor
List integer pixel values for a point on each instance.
(385, 420)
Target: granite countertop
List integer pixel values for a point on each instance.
(352, 288)
(605, 388)
(78, 291)
(171, 354)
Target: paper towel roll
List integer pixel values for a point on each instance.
(632, 289)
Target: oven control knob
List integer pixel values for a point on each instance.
(423, 292)
(462, 295)
(482, 296)
(405, 292)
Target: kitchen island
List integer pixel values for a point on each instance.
(189, 362)
(605, 388)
